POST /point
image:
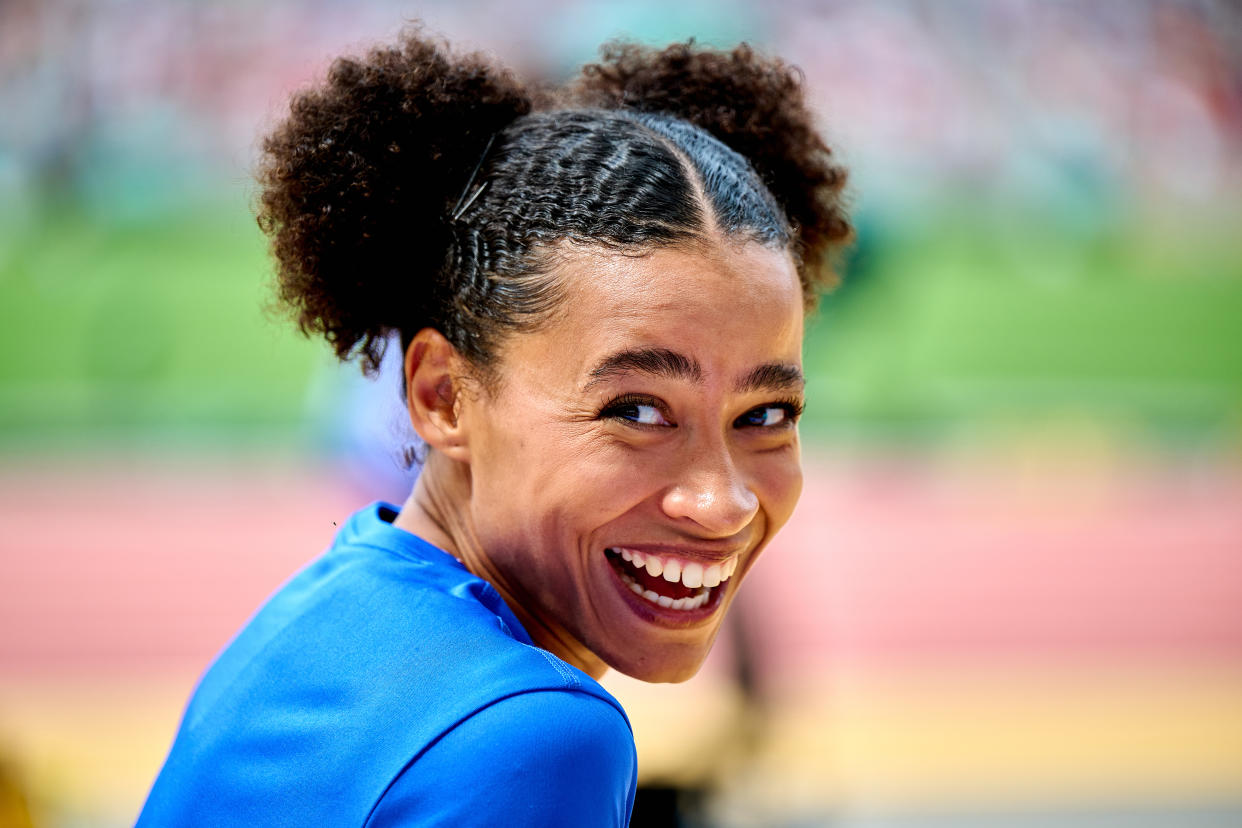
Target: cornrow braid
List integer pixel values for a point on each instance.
(753, 104)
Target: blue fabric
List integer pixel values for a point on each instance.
(385, 685)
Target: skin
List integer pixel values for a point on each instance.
(533, 475)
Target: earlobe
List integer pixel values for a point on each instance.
(433, 372)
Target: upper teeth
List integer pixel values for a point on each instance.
(690, 573)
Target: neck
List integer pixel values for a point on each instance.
(438, 511)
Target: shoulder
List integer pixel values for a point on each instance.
(548, 725)
(543, 757)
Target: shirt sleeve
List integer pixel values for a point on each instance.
(548, 758)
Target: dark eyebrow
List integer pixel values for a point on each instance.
(774, 376)
(659, 361)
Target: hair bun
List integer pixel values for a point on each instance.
(357, 183)
(753, 104)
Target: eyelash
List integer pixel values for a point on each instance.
(615, 408)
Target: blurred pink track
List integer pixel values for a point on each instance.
(156, 565)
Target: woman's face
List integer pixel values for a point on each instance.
(639, 450)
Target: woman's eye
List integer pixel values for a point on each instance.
(768, 416)
(640, 413)
(644, 414)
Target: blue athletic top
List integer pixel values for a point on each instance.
(385, 685)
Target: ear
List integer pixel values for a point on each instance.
(434, 372)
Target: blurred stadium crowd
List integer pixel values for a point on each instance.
(1051, 103)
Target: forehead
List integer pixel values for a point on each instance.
(728, 305)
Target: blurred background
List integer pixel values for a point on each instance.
(1012, 595)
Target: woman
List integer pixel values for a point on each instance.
(600, 295)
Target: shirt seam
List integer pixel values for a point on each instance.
(566, 672)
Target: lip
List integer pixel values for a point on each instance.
(666, 616)
(707, 554)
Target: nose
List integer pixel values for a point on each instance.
(711, 492)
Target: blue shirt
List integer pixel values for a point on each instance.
(385, 685)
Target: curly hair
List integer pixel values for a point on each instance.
(417, 188)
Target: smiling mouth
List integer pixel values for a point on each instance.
(668, 581)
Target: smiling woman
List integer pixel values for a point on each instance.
(655, 418)
(600, 297)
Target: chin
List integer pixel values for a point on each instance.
(674, 667)
(673, 675)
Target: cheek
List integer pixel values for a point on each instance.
(546, 489)
(592, 487)
(779, 484)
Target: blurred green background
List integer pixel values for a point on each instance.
(1087, 266)
(154, 328)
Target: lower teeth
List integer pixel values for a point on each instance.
(691, 603)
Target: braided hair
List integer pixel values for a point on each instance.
(416, 188)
